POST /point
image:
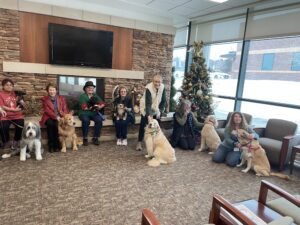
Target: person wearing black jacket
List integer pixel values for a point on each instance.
(122, 115)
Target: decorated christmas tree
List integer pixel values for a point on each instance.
(196, 85)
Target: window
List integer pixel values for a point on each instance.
(296, 61)
(267, 61)
(222, 107)
(179, 66)
(72, 87)
(280, 84)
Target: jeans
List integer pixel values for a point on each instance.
(85, 119)
(144, 122)
(225, 154)
(4, 129)
(52, 132)
(121, 128)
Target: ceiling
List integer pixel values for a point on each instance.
(168, 12)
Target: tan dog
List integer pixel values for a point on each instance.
(255, 156)
(66, 131)
(209, 137)
(157, 145)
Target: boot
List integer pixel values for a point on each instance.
(139, 146)
(95, 141)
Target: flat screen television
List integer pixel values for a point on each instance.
(70, 45)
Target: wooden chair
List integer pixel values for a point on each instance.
(278, 138)
(261, 208)
(148, 218)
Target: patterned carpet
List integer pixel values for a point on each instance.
(108, 185)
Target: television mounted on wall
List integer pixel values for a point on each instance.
(69, 45)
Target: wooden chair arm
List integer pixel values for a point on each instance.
(263, 192)
(148, 218)
(220, 202)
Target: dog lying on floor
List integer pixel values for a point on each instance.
(209, 137)
(66, 131)
(255, 156)
(157, 145)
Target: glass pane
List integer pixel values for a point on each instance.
(223, 61)
(279, 84)
(179, 65)
(72, 88)
(222, 107)
(261, 113)
(181, 36)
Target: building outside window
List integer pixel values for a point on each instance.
(267, 61)
(296, 61)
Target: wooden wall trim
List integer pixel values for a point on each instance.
(34, 39)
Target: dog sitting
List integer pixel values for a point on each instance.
(209, 137)
(66, 131)
(31, 140)
(157, 145)
(121, 112)
(255, 156)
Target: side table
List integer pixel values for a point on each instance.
(295, 149)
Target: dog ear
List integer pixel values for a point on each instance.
(72, 112)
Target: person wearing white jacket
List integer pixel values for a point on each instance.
(152, 104)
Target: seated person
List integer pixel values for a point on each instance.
(54, 107)
(122, 115)
(229, 150)
(10, 103)
(90, 104)
(184, 124)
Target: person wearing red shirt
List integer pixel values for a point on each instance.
(13, 108)
(54, 107)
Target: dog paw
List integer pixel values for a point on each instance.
(244, 171)
(239, 165)
(39, 158)
(5, 156)
(75, 149)
(200, 149)
(148, 156)
(63, 150)
(23, 159)
(211, 153)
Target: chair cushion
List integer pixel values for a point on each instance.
(220, 132)
(277, 129)
(272, 148)
(286, 208)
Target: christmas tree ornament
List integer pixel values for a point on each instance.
(199, 92)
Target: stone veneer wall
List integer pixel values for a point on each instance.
(152, 53)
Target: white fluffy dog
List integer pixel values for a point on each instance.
(209, 137)
(31, 139)
(157, 145)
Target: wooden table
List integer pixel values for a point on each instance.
(295, 149)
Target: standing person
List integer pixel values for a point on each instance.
(152, 104)
(184, 124)
(10, 103)
(228, 151)
(121, 123)
(54, 107)
(90, 104)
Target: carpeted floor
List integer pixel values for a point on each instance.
(110, 185)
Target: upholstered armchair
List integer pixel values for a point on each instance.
(222, 123)
(277, 139)
(281, 211)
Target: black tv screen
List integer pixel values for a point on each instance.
(70, 45)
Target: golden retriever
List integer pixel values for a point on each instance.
(157, 145)
(209, 137)
(66, 131)
(255, 156)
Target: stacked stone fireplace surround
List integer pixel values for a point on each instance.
(152, 53)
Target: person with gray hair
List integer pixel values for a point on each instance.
(184, 124)
(152, 104)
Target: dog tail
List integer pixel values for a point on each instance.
(283, 176)
(153, 162)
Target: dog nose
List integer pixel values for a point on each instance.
(74, 123)
(30, 134)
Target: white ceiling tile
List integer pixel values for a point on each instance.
(196, 4)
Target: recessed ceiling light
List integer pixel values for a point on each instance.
(219, 1)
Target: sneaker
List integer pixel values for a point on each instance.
(85, 142)
(124, 142)
(119, 142)
(96, 141)
(139, 146)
